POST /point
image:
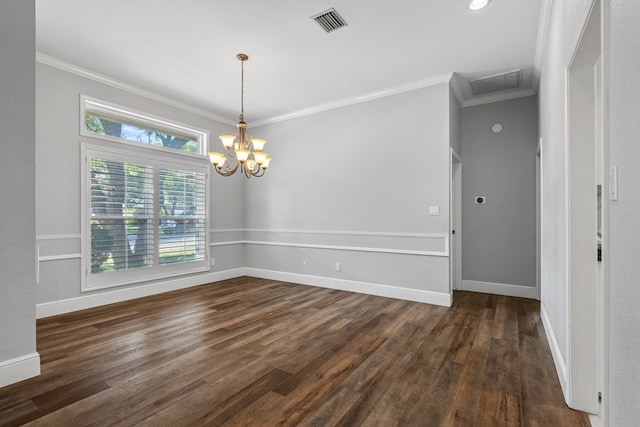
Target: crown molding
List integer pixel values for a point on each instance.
(394, 90)
(503, 96)
(101, 78)
(543, 27)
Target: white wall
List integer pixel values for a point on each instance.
(499, 247)
(58, 192)
(566, 20)
(624, 226)
(18, 357)
(621, 19)
(361, 176)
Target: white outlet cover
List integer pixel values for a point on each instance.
(434, 210)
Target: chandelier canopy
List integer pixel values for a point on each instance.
(247, 151)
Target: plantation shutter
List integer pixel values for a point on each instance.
(146, 218)
(182, 215)
(121, 204)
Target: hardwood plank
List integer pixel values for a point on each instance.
(259, 352)
(503, 367)
(221, 413)
(505, 324)
(499, 409)
(324, 383)
(465, 405)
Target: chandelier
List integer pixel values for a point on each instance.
(247, 151)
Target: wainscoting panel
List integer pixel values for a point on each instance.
(337, 266)
(56, 247)
(426, 244)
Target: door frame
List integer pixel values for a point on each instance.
(455, 221)
(584, 106)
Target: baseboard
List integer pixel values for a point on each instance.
(97, 299)
(117, 295)
(19, 369)
(408, 294)
(558, 360)
(500, 289)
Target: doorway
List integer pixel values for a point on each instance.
(455, 221)
(584, 176)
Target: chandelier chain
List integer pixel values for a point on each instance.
(242, 90)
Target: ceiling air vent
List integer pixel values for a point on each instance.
(329, 20)
(496, 83)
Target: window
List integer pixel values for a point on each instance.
(104, 120)
(146, 218)
(144, 205)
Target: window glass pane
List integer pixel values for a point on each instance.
(102, 124)
(121, 208)
(181, 211)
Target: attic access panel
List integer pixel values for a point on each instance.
(496, 83)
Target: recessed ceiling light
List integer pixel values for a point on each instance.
(478, 4)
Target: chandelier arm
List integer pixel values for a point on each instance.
(227, 170)
(223, 173)
(256, 168)
(260, 172)
(231, 153)
(247, 172)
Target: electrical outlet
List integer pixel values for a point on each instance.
(434, 210)
(213, 261)
(338, 266)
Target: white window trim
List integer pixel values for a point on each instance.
(143, 275)
(90, 104)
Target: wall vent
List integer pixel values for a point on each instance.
(496, 83)
(329, 20)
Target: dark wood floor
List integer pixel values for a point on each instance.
(258, 352)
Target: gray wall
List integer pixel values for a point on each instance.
(17, 173)
(349, 176)
(58, 182)
(373, 167)
(499, 243)
(624, 227)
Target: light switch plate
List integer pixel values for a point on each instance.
(434, 210)
(613, 182)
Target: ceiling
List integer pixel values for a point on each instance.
(186, 50)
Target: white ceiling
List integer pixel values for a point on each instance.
(186, 50)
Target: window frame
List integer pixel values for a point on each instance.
(158, 158)
(90, 104)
